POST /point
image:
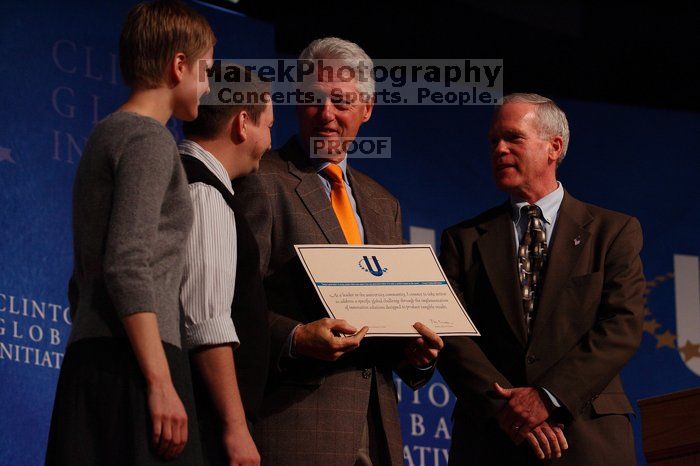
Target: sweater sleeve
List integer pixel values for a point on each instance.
(142, 172)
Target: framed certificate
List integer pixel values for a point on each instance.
(388, 288)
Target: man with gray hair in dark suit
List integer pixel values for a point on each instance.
(556, 288)
(330, 399)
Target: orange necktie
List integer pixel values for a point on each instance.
(341, 205)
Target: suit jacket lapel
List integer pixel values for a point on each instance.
(311, 192)
(367, 209)
(497, 248)
(567, 243)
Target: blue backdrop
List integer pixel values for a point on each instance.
(59, 75)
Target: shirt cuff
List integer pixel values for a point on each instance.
(429, 367)
(289, 344)
(216, 331)
(555, 402)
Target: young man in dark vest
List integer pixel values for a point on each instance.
(222, 294)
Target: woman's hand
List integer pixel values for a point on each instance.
(169, 420)
(168, 415)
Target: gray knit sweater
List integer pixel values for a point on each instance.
(131, 217)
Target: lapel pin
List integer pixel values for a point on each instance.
(577, 241)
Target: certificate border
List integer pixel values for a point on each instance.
(300, 247)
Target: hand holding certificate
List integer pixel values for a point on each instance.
(387, 288)
(327, 339)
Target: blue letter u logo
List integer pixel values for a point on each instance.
(377, 270)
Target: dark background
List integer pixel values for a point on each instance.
(634, 53)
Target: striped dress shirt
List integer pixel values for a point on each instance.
(207, 287)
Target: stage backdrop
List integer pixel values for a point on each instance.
(59, 75)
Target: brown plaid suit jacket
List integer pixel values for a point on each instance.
(588, 324)
(314, 412)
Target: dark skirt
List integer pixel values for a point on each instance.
(100, 415)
